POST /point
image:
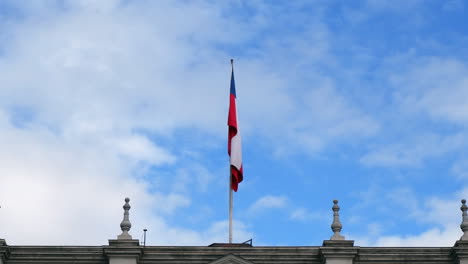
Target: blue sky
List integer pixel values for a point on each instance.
(361, 101)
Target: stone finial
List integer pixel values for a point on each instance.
(125, 225)
(464, 223)
(336, 226)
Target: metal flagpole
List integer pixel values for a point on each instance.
(230, 187)
(230, 206)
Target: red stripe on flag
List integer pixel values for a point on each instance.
(236, 157)
(237, 177)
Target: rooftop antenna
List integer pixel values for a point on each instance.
(248, 242)
(144, 237)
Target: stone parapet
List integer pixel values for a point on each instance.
(122, 251)
(56, 254)
(129, 252)
(338, 251)
(389, 255)
(206, 255)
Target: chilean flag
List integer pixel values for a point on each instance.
(234, 139)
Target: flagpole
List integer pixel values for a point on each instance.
(230, 187)
(230, 206)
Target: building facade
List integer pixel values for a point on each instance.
(337, 250)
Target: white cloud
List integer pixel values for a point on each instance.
(83, 111)
(114, 66)
(414, 150)
(216, 232)
(92, 91)
(442, 215)
(304, 215)
(192, 177)
(299, 214)
(41, 182)
(140, 148)
(460, 169)
(43, 186)
(169, 203)
(435, 86)
(429, 91)
(429, 238)
(327, 118)
(268, 202)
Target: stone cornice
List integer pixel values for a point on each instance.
(338, 243)
(460, 249)
(339, 249)
(123, 249)
(339, 252)
(231, 259)
(4, 250)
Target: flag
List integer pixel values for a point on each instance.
(234, 139)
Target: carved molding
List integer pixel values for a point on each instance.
(231, 259)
